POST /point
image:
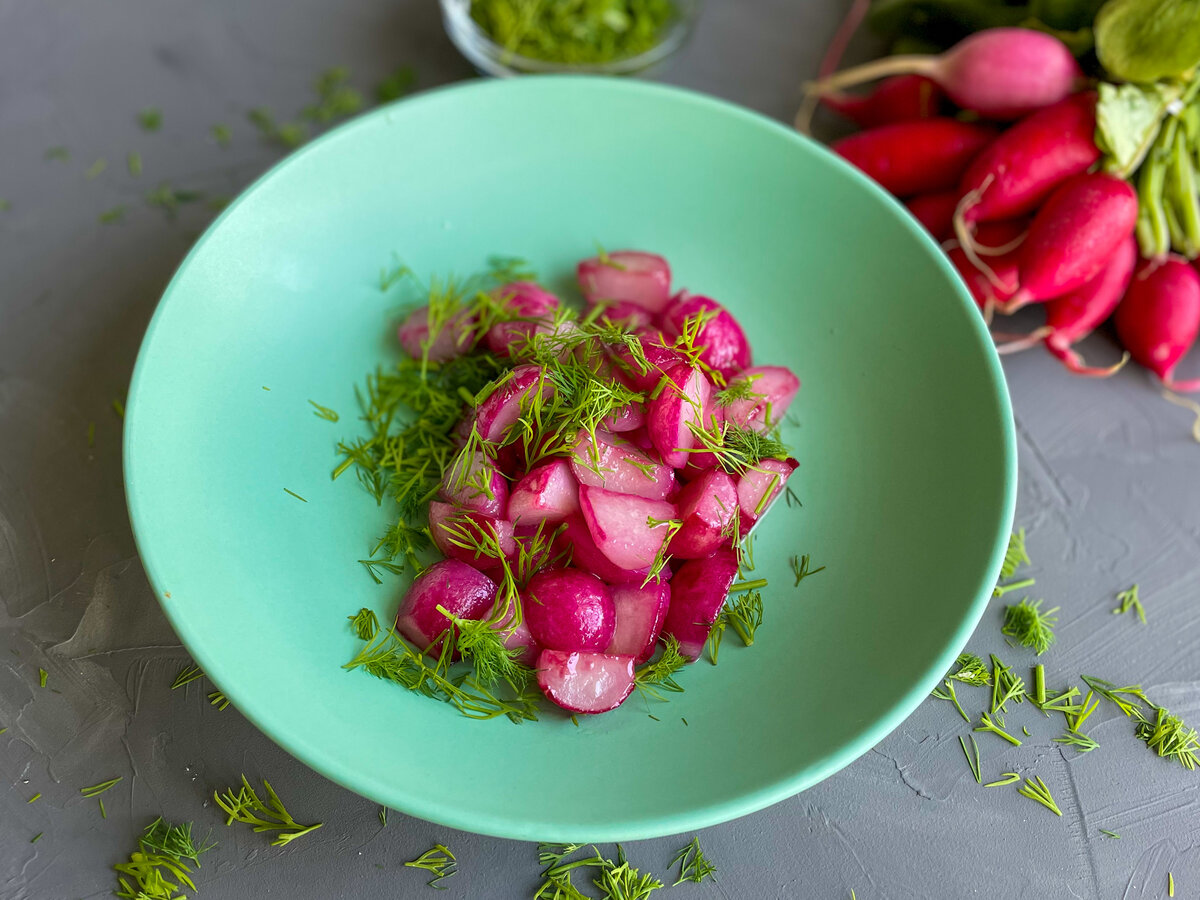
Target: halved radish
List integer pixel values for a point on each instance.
(455, 337)
(684, 401)
(629, 417)
(577, 544)
(726, 348)
(629, 530)
(518, 638)
(548, 493)
(640, 613)
(585, 682)
(451, 584)
(775, 387)
(614, 465)
(500, 409)
(660, 359)
(625, 315)
(698, 591)
(707, 506)
(640, 278)
(522, 298)
(567, 609)
(452, 526)
(474, 482)
(758, 488)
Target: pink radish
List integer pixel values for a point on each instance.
(641, 612)
(567, 609)
(548, 493)
(643, 279)
(775, 386)
(474, 482)
(525, 299)
(517, 638)
(629, 316)
(684, 403)
(661, 359)
(758, 488)
(501, 409)
(453, 585)
(453, 527)
(698, 592)
(900, 98)
(1073, 236)
(994, 289)
(612, 464)
(629, 417)
(454, 337)
(707, 507)
(1000, 73)
(935, 211)
(725, 347)
(577, 544)
(1159, 318)
(629, 530)
(915, 157)
(586, 683)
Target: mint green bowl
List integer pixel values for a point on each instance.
(904, 435)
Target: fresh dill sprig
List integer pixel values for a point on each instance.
(1170, 738)
(801, 568)
(97, 789)
(1005, 686)
(294, 494)
(263, 816)
(174, 841)
(365, 624)
(739, 389)
(553, 854)
(1005, 778)
(150, 118)
(335, 97)
(96, 169)
(659, 675)
(950, 695)
(396, 85)
(169, 199)
(1015, 556)
(1001, 589)
(133, 162)
(1037, 790)
(160, 857)
(1111, 834)
(222, 134)
(1130, 600)
(737, 449)
(1029, 625)
(42, 676)
(438, 861)
(972, 763)
(1119, 696)
(1063, 702)
(617, 880)
(186, 676)
(694, 866)
(986, 723)
(970, 670)
(1076, 719)
(1080, 742)
(744, 616)
(111, 216)
(323, 412)
(481, 643)
(219, 700)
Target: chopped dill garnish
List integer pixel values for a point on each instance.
(482, 644)
(800, 568)
(1119, 695)
(323, 412)
(1015, 556)
(383, 811)
(694, 866)
(37, 837)
(438, 861)
(986, 723)
(186, 676)
(396, 85)
(1005, 778)
(1039, 685)
(97, 789)
(269, 815)
(119, 408)
(133, 161)
(1130, 600)
(1037, 790)
(790, 497)
(1170, 884)
(950, 695)
(219, 700)
(553, 854)
(335, 98)
(103, 812)
(294, 494)
(365, 624)
(744, 616)
(1001, 589)
(1029, 625)
(111, 216)
(737, 449)
(1076, 719)
(1080, 742)
(169, 199)
(42, 676)
(1170, 738)
(91, 434)
(972, 763)
(218, 202)
(739, 389)
(1061, 702)
(660, 674)
(34, 798)
(1005, 686)
(174, 841)
(61, 154)
(150, 119)
(161, 854)
(970, 670)
(222, 134)
(616, 880)
(1111, 834)
(95, 169)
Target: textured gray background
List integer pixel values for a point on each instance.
(1108, 492)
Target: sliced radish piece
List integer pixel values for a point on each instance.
(726, 347)
(474, 482)
(643, 279)
(523, 298)
(629, 417)
(706, 509)
(614, 465)
(758, 488)
(567, 609)
(775, 387)
(685, 401)
(455, 337)
(518, 638)
(698, 592)
(450, 526)
(629, 530)
(576, 544)
(625, 315)
(640, 613)
(497, 413)
(660, 360)
(451, 584)
(548, 493)
(585, 682)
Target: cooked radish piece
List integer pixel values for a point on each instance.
(660, 358)
(474, 482)
(548, 493)
(758, 487)
(585, 682)
(455, 337)
(577, 544)
(707, 507)
(518, 638)
(640, 613)
(567, 609)
(710, 326)
(629, 530)
(612, 464)
(629, 417)
(684, 403)
(643, 279)
(526, 299)
(775, 387)
(451, 584)
(470, 536)
(629, 316)
(698, 592)
(497, 413)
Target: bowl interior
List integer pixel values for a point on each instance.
(902, 428)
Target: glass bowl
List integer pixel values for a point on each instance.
(491, 59)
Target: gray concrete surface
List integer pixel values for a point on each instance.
(1109, 493)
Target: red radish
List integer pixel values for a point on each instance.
(995, 240)
(1000, 73)
(900, 98)
(455, 337)
(683, 403)
(629, 530)
(501, 409)
(643, 279)
(1073, 236)
(698, 592)
(641, 612)
(474, 482)
(629, 417)
(725, 347)
(935, 211)
(915, 157)
(548, 493)
(661, 360)
(523, 298)
(614, 465)
(453, 585)
(517, 638)
(458, 533)
(628, 315)
(1159, 318)
(1018, 170)
(758, 487)
(707, 507)
(576, 540)
(775, 386)
(567, 609)
(585, 682)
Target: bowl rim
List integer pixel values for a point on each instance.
(701, 816)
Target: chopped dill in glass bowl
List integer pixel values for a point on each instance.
(602, 37)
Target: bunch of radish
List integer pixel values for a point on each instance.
(992, 147)
(624, 533)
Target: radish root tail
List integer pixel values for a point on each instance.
(1023, 342)
(966, 239)
(1070, 358)
(1186, 404)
